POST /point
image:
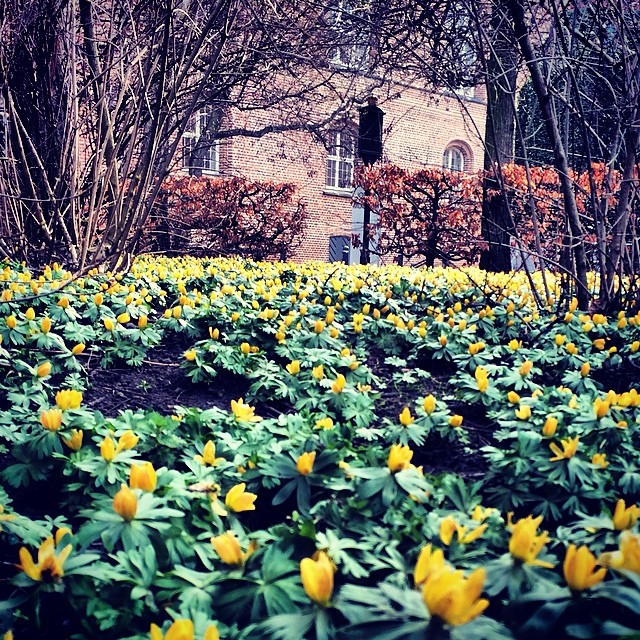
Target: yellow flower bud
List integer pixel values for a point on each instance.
(190, 355)
(429, 404)
(74, 442)
(125, 503)
(245, 348)
(305, 461)
(109, 324)
(128, 440)
(123, 318)
(294, 367)
(525, 368)
(30, 314)
(43, 369)
(143, 321)
(455, 420)
(317, 578)
(108, 449)
(585, 368)
(63, 302)
(68, 399)
(550, 426)
(11, 321)
(143, 476)
(51, 419)
(406, 418)
(399, 457)
(78, 349)
(45, 325)
(228, 548)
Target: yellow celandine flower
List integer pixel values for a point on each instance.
(399, 457)
(63, 302)
(11, 321)
(338, 385)
(523, 412)
(294, 367)
(480, 513)
(598, 344)
(625, 517)
(406, 418)
(228, 548)
(237, 499)
(108, 449)
(585, 368)
(627, 557)
(324, 423)
(74, 441)
(450, 527)
(143, 476)
(525, 543)
(30, 313)
(560, 339)
(453, 598)
(43, 369)
(513, 397)
(317, 578)
(600, 459)
(45, 325)
(476, 347)
(109, 324)
(514, 344)
(182, 629)
(550, 426)
(143, 321)
(128, 440)
(190, 355)
(525, 368)
(245, 348)
(208, 457)
(78, 349)
(429, 404)
(318, 372)
(51, 419)
(578, 568)
(123, 318)
(68, 399)
(601, 407)
(430, 562)
(319, 326)
(305, 461)
(455, 421)
(244, 412)
(569, 449)
(482, 378)
(125, 503)
(50, 564)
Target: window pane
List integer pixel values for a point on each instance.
(331, 173)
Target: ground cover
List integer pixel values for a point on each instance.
(221, 448)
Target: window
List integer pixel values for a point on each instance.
(349, 34)
(453, 159)
(200, 152)
(340, 159)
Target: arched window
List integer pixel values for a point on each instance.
(454, 158)
(341, 153)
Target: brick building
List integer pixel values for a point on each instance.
(420, 129)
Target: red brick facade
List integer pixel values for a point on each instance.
(418, 127)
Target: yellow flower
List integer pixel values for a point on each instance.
(98, 299)
(578, 568)
(48, 562)
(243, 412)
(560, 339)
(108, 449)
(78, 349)
(317, 578)
(338, 384)
(430, 562)
(523, 412)
(30, 314)
(429, 404)
(45, 325)
(51, 419)
(143, 321)
(143, 476)
(406, 418)
(514, 345)
(479, 513)
(190, 355)
(238, 499)
(68, 399)
(585, 368)
(482, 378)
(176, 312)
(601, 407)
(74, 441)
(125, 503)
(476, 347)
(228, 548)
(128, 440)
(123, 318)
(569, 449)
(43, 369)
(598, 344)
(628, 555)
(294, 367)
(550, 426)
(208, 456)
(319, 326)
(453, 598)
(63, 302)
(399, 457)
(179, 630)
(324, 423)
(625, 517)
(525, 544)
(109, 324)
(525, 368)
(513, 397)
(318, 372)
(449, 527)
(600, 459)
(245, 347)
(305, 461)
(455, 420)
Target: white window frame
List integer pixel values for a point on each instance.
(197, 136)
(341, 160)
(454, 158)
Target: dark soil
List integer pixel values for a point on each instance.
(160, 384)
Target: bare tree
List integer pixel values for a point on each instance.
(97, 97)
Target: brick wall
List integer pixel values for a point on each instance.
(418, 127)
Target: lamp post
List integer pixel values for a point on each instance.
(370, 150)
